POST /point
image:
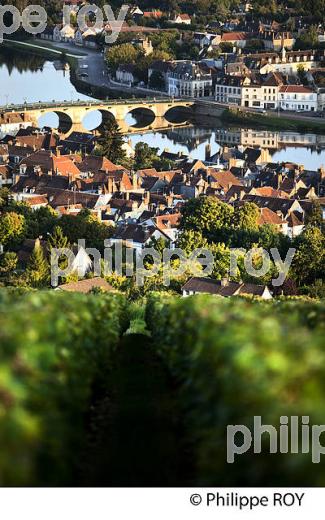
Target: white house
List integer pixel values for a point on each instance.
(138, 236)
(297, 97)
(189, 79)
(126, 74)
(184, 19)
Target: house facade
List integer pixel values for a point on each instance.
(297, 97)
(189, 79)
(126, 74)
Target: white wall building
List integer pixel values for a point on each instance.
(297, 97)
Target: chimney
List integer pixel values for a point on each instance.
(321, 173)
(15, 178)
(134, 181)
(110, 185)
(279, 180)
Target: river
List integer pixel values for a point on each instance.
(29, 78)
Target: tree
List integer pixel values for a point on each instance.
(57, 239)
(110, 142)
(144, 156)
(12, 228)
(157, 80)
(226, 47)
(4, 197)
(8, 262)
(37, 271)
(308, 262)
(221, 263)
(165, 41)
(190, 239)
(119, 54)
(246, 217)
(309, 38)
(206, 214)
(85, 226)
(315, 217)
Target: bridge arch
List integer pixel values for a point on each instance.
(55, 119)
(178, 114)
(140, 117)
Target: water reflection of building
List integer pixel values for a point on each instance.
(60, 65)
(189, 136)
(266, 139)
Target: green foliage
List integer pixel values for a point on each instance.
(37, 272)
(309, 260)
(145, 156)
(8, 262)
(235, 359)
(157, 80)
(110, 142)
(119, 54)
(85, 226)
(57, 239)
(52, 350)
(206, 214)
(315, 217)
(12, 228)
(246, 216)
(308, 39)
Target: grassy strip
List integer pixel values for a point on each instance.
(136, 313)
(140, 437)
(273, 122)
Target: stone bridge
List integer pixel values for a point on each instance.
(150, 114)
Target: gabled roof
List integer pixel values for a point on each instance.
(295, 89)
(267, 216)
(224, 178)
(93, 163)
(41, 184)
(233, 36)
(294, 220)
(217, 287)
(136, 232)
(168, 221)
(85, 286)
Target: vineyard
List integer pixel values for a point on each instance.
(95, 390)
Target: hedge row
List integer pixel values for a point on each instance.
(53, 347)
(235, 359)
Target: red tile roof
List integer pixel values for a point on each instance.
(233, 36)
(296, 89)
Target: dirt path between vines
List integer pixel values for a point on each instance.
(137, 432)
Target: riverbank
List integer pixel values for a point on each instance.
(294, 123)
(97, 82)
(46, 50)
